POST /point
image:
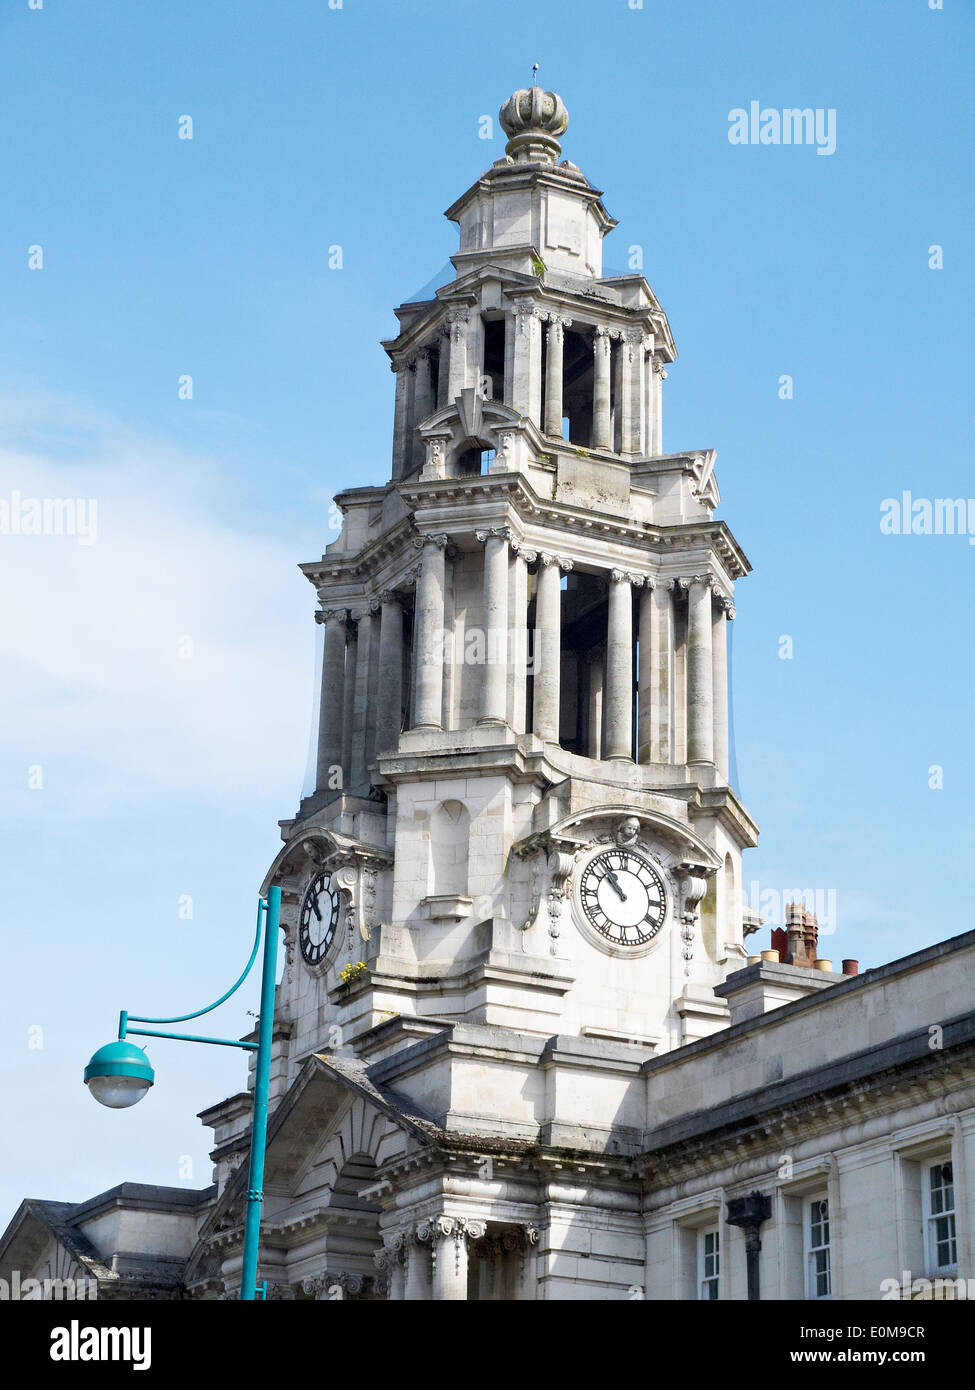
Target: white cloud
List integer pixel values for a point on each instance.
(96, 690)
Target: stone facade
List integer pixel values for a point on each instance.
(521, 1050)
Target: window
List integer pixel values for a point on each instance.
(939, 1217)
(816, 1239)
(708, 1263)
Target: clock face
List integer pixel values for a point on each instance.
(319, 918)
(623, 897)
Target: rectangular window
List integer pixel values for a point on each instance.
(942, 1250)
(708, 1263)
(816, 1233)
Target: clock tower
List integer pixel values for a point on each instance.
(518, 876)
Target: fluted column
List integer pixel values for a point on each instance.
(619, 666)
(429, 632)
(722, 614)
(526, 383)
(494, 686)
(348, 703)
(332, 697)
(548, 646)
(389, 705)
(554, 340)
(700, 675)
(418, 1272)
(601, 423)
(449, 1245)
(458, 318)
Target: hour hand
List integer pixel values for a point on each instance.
(610, 874)
(317, 911)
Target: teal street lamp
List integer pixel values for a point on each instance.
(120, 1074)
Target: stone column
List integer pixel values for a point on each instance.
(389, 706)
(494, 606)
(429, 632)
(443, 368)
(659, 376)
(700, 677)
(449, 1238)
(518, 621)
(458, 318)
(662, 675)
(526, 383)
(601, 421)
(348, 704)
(418, 1272)
(619, 667)
(557, 323)
(595, 693)
(362, 718)
(644, 731)
(331, 705)
(400, 415)
(722, 613)
(548, 646)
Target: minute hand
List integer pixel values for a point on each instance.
(611, 875)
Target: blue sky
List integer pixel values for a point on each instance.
(314, 127)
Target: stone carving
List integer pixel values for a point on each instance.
(626, 577)
(439, 539)
(497, 532)
(560, 560)
(627, 831)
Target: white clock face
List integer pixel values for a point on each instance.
(623, 897)
(318, 918)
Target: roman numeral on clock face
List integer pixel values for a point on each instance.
(623, 897)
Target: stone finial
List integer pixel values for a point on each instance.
(532, 120)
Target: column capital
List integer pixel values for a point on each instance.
(560, 561)
(523, 552)
(501, 533)
(458, 314)
(412, 576)
(557, 322)
(528, 315)
(627, 577)
(439, 539)
(686, 581)
(325, 615)
(389, 596)
(659, 368)
(726, 602)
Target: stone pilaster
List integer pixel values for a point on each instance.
(458, 319)
(348, 703)
(527, 378)
(332, 697)
(722, 613)
(632, 392)
(518, 623)
(645, 674)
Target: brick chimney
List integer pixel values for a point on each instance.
(798, 942)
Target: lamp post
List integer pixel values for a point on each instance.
(119, 1074)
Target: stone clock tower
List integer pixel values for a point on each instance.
(519, 874)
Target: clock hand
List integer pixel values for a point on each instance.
(611, 875)
(314, 903)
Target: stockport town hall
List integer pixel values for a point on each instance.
(524, 1048)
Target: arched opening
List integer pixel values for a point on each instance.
(450, 832)
(473, 462)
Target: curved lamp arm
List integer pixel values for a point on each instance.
(125, 1018)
